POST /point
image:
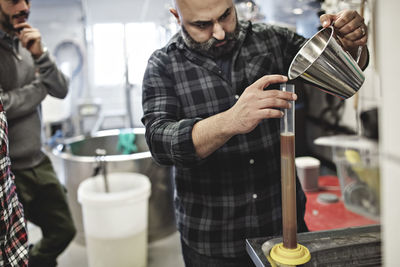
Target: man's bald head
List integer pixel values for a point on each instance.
(194, 8)
(207, 25)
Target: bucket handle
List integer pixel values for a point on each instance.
(100, 158)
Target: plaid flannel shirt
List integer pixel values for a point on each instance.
(235, 193)
(13, 237)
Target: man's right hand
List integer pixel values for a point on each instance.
(256, 104)
(30, 38)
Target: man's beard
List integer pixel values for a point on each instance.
(209, 48)
(5, 20)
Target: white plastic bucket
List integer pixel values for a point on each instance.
(115, 223)
(308, 172)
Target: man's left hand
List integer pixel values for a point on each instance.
(31, 39)
(350, 28)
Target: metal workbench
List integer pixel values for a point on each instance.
(354, 246)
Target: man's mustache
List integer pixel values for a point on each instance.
(21, 14)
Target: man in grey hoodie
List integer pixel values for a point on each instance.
(27, 75)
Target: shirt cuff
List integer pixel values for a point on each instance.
(182, 147)
(43, 58)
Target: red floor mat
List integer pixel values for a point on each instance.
(321, 216)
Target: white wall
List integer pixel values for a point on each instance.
(388, 58)
(127, 10)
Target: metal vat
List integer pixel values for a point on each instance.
(79, 161)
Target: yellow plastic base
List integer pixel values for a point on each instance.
(296, 256)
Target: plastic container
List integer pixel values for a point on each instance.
(357, 166)
(308, 172)
(78, 161)
(115, 223)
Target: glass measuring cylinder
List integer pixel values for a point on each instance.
(289, 217)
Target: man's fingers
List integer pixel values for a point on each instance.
(273, 103)
(350, 28)
(29, 30)
(359, 33)
(270, 113)
(266, 80)
(360, 42)
(344, 18)
(288, 96)
(23, 25)
(327, 19)
(29, 34)
(29, 38)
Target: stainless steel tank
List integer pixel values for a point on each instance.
(79, 162)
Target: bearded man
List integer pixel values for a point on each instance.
(209, 111)
(27, 76)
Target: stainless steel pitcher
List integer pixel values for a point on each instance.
(323, 62)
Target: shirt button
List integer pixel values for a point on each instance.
(237, 96)
(255, 196)
(251, 161)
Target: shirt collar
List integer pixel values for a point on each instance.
(2, 34)
(12, 41)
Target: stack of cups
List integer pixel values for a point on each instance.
(308, 172)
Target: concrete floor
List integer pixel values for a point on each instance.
(165, 252)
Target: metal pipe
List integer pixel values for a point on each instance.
(128, 86)
(101, 154)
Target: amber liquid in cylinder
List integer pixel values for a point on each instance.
(289, 217)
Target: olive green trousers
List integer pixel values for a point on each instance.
(45, 205)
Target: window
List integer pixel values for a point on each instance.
(108, 54)
(117, 44)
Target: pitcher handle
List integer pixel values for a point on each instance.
(359, 50)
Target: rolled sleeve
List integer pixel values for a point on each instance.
(182, 147)
(171, 143)
(55, 82)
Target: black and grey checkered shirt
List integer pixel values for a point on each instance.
(234, 193)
